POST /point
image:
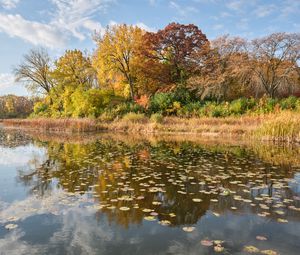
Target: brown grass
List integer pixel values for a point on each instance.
(283, 126)
(55, 125)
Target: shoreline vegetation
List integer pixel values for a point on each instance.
(275, 153)
(281, 127)
(171, 81)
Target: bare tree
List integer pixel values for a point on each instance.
(221, 68)
(274, 62)
(34, 71)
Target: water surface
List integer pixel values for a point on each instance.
(110, 194)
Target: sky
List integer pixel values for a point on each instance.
(67, 24)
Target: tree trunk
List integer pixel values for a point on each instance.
(131, 89)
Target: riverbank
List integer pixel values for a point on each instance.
(284, 126)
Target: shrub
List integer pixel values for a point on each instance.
(134, 117)
(239, 106)
(190, 110)
(161, 102)
(289, 103)
(156, 118)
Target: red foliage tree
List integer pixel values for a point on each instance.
(175, 46)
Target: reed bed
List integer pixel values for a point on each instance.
(55, 125)
(283, 126)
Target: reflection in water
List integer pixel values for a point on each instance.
(128, 187)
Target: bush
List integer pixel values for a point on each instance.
(289, 103)
(239, 106)
(156, 118)
(190, 110)
(134, 117)
(161, 102)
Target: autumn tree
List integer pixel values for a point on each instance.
(74, 69)
(222, 68)
(275, 62)
(116, 56)
(174, 47)
(34, 71)
(12, 106)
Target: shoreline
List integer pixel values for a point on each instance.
(262, 127)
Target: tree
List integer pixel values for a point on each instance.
(117, 56)
(174, 46)
(220, 68)
(73, 69)
(274, 62)
(12, 106)
(34, 71)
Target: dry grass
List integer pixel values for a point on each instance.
(200, 126)
(55, 125)
(282, 127)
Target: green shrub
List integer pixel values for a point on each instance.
(190, 110)
(289, 103)
(239, 106)
(134, 117)
(161, 102)
(156, 118)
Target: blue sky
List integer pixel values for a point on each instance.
(61, 24)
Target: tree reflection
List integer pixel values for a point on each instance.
(162, 179)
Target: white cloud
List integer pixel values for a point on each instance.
(144, 26)
(290, 7)
(9, 4)
(182, 11)
(6, 80)
(77, 15)
(243, 24)
(73, 18)
(34, 32)
(235, 5)
(218, 26)
(264, 10)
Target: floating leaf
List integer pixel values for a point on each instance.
(188, 229)
(150, 218)
(197, 200)
(268, 252)
(261, 238)
(251, 249)
(124, 208)
(207, 242)
(11, 226)
(218, 248)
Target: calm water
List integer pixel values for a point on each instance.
(122, 195)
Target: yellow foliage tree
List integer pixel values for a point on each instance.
(117, 56)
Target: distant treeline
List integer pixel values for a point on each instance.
(164, 70)
(12, 106)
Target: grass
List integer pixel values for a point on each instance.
(284, 126)
(55, 125)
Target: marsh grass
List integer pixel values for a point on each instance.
(55, 125)
(283, 127)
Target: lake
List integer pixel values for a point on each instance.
(122, 194)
